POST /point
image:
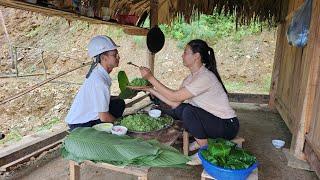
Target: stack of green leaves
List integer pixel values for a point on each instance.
(98, 146)
(145, 123)
(139, 82)
(225, 154)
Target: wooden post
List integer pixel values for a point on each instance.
(185, 143)
(8, 39)
(15, 60)
(44, 65)
(153, 22)
(276, 65)
(74, 170)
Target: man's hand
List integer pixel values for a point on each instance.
(106, 117)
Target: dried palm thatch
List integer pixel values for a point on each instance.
(244, 10)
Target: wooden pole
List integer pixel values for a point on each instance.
(74, 170)
(153, 22)
(40, 84)
(8, 39)
(276, 65)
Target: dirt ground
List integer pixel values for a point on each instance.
(245, 66)
(257, 125)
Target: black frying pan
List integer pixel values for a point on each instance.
(155, 39)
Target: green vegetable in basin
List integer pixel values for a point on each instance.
(225, 154)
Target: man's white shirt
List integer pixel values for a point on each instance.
(92, 98)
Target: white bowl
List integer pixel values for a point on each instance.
(103, 127)
(119, 130)
(154, 113)
(278, 143)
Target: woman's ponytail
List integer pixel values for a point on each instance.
(207, 57)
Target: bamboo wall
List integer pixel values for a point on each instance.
(295, 83)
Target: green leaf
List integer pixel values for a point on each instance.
(98, 146)
(123, 83)
(122, 80)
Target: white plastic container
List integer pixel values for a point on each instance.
(277, 143)
(119, 130)
(154, 113)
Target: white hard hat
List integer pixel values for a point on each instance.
(100, 44)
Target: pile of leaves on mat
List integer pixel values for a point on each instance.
(145, 123)
(98, 146)
(226, 154)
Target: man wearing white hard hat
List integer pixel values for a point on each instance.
(93, 104)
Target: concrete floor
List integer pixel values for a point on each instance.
(258, 127)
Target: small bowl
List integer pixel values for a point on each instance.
(154, 113)
(119, 130)
(103, 127)
(278, 143)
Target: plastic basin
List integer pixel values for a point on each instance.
(221, 173)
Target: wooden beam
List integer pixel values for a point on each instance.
(71, 16)
(312, 156)
(74, 169)
(136, 32)
(310, 57)
(26, 158)
(28, 145)
(136, 100)
(153, 22)
(276, 64)
(249, 98)
(137, 171)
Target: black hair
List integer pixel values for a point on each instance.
(207, 57)
(95, 62)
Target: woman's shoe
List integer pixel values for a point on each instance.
(194, 146)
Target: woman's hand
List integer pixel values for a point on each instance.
(145, 73)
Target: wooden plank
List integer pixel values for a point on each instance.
(74, 169)
(29, 156)
(185, 143)
(295, 162)
(137, 171)
(68, 15)
(312, 157)
(136, 100)
(276, 64)
(249, 98)
(306, 95)
(137, 32)
(284, 113)
(153, 22)
(314, 79)
(28, 145)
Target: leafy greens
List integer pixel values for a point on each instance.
(224, 153)
(145, 123)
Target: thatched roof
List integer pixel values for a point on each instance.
(245, 10)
